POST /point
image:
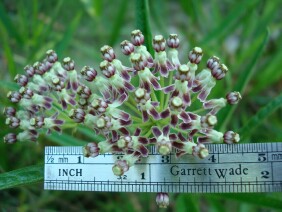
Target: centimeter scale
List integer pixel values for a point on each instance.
(255, 167)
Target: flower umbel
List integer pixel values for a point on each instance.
(131, 107)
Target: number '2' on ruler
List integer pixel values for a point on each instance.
(255, 167)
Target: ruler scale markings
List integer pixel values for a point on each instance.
(259, 170)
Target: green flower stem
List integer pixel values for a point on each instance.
(154, 97)
(68, 125)
(136, 119)
(146, 124)
(193, 99)
(162, 96)
(199, 110)
(170, 78)
(149, 132)
(179, 130)
(134, 109)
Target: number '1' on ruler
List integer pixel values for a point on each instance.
(255, 167)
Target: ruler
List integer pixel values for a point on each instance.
(255, 167)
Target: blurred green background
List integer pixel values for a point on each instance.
(245, 34)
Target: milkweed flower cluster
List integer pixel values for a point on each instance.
(147, 100)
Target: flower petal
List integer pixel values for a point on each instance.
(156, 131)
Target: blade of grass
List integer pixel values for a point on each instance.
(46, 31)
(187, 199)
(258, 199)
(242, 81)
(8, 52)
(143, 23)
(65, 140)
(8, 85)
(93, 8)
(90, 133)
(230, 22)
(157, 16)
(117, 26)
(269, 74)
(8, 25)
(262, 114)
(21, 177)
(65, 41)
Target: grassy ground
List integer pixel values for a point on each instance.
(245, 34)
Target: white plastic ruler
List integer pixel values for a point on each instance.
(255, 167)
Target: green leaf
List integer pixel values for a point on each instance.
(20, 177)
(242, 82)
(261, 115)
(142, 21)
(263, 200)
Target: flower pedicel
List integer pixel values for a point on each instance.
(149, 102)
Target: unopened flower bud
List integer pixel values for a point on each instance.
(9, 111)
(11, 138)
(77, 115)
(68, 64)
(91, 150)
(137, 38)
(108, 53)
(107, 69)
(26, 92)
(120, 167)
(219, 72)
(13, 122)
(14, 96)
(21, 80)
(124, 141)
(213, 63)
(88, 73)
(173, 41)
(164, 148)
(139, 62)
(127, 47)
(162, 200)
(176, 102)
(231, 137)
(140, 93)
(233, 97)
(195, 55)
(37, 122)
(29, 70)
(182, 73)
(159, 43)
(58, 84)
(208, 121)
(101, 123)
(84, 92)
(39, 68)
(52, 56)
(200, 150)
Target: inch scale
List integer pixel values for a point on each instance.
(255, 167)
